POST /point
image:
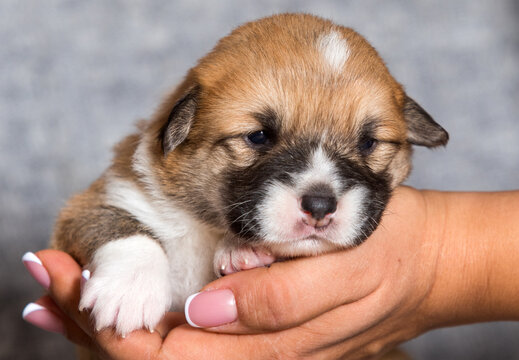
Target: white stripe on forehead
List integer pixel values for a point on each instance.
(334, 49)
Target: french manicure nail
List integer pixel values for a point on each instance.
(39, 316)
(36, 269)
(211, 308)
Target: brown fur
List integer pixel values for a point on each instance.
(237, 82)
(87, 222)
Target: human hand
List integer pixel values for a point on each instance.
(356, 303)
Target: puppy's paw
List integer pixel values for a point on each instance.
(231, 259)
(129, 288)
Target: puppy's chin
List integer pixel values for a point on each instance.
(310, 246)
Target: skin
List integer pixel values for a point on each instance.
(437, 259)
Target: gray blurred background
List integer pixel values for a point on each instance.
(75, 75)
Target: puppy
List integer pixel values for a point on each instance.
(286, 140)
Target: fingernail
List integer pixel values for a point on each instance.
(36, 269)
(211, 308)
(44, 319)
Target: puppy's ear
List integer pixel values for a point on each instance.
(180, 120)
(421, 128)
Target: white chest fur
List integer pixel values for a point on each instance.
(188, 244)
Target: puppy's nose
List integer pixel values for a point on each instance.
(319, 205)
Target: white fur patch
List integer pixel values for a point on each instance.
(189, 244)
(350, 215)
(334, 49)
(277, 212)
(321, 170)
(129, 287)
(126, 195)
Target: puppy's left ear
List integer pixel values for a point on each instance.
(421, 127)
(180, 119)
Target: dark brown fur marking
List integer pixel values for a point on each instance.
(83, 226)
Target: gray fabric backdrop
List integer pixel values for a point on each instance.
(75, 75)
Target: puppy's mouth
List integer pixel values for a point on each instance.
(319, 225)
(310, 228)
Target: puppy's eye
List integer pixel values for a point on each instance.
(258, 138)
(366, 147)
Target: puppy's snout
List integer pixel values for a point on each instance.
(318, 206)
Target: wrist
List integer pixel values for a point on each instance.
(475, 277)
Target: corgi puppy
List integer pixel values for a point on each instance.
(286, 140)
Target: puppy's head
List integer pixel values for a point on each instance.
(290, 133)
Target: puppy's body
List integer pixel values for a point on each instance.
(286, 140)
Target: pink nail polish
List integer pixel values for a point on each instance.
(44, 319)
(36, 269)
(211, 308)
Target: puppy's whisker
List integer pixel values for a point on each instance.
(235, 205)
(241, 216)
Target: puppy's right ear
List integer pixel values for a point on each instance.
(180, 120)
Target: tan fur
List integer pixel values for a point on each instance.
(292, 77)
(295, 80)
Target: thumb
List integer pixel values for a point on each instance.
(285, 295)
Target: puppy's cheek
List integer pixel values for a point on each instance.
(352, 217)
(278, 213)
(400, 167)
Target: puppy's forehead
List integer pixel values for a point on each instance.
(304, 69)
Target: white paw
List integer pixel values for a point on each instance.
(129, 287)
(230, 259)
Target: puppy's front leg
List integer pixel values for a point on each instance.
(129, 288)
(232, 256)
